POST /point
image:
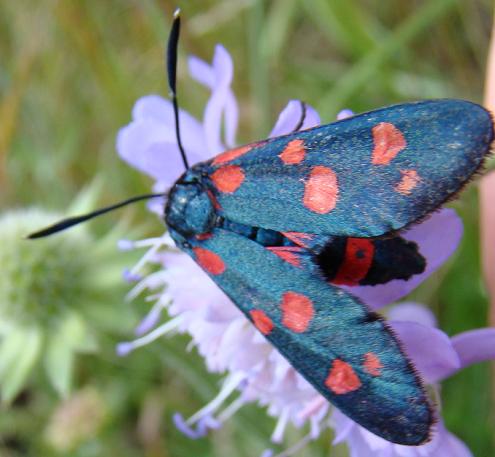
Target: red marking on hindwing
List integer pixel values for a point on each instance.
(410, 179)
(388, 141)
(298, 237)
(342, 379)
(297, 311)
(232, 154)
(228, 179)
(287, 253)
(321, 190)
(372, 364)
(293, 153)
(210, 261)
(261, 321)
(357, 261)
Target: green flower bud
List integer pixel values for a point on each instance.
(42, 280)
(56, 293)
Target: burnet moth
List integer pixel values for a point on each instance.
(280, 224)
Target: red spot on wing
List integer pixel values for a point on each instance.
(342, 379)
(410, 179)
(372, 364)
(210, 261)
(261, 321)
(293, 153)
(388, 142)
(231, 154)
(298, 238)
(297, 311)
(357, 261)
(287, 253)
(228, 179)
(321, 190)
(204, 236)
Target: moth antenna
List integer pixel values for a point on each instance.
(171, 61)
(302, 118)
(171, 64)
(71, 221)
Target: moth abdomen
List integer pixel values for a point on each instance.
(361, 261)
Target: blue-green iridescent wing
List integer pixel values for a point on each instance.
(346, 352)
(361, 177)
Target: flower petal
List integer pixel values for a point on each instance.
(154, 107)
(150, 148)
(453, 447)
(474, 346)
(221, 102)
(149, 321)
(342, 425)
(130, 277)
(186, 429)
(291, 115)
(344, 114)
(437, 238)
(201, 71)
(429, 348)
(207, 75)
(267, 453)
(231, 118)
(412, 312)
(363, 443)
(444, 444)
(149, 143)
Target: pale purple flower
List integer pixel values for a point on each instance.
(228, 342)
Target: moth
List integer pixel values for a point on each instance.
(282, 223)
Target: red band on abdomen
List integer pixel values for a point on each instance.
(357, 261)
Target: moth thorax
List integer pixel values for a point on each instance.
(189, 210)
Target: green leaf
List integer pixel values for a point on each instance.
(58, 363)
(258, 67)
(108, 320)
(86, 199)
(71, 336)
(74, 332)
(347, 25)
(366, 69)
(18, 354)
(277, 29)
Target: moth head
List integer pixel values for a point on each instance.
(189, 209)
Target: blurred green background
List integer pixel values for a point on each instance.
(70, 72)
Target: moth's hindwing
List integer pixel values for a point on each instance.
(359, 177)
(367, 262)
(346, 352)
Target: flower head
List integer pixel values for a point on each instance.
(48, 287)
(228, 342)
